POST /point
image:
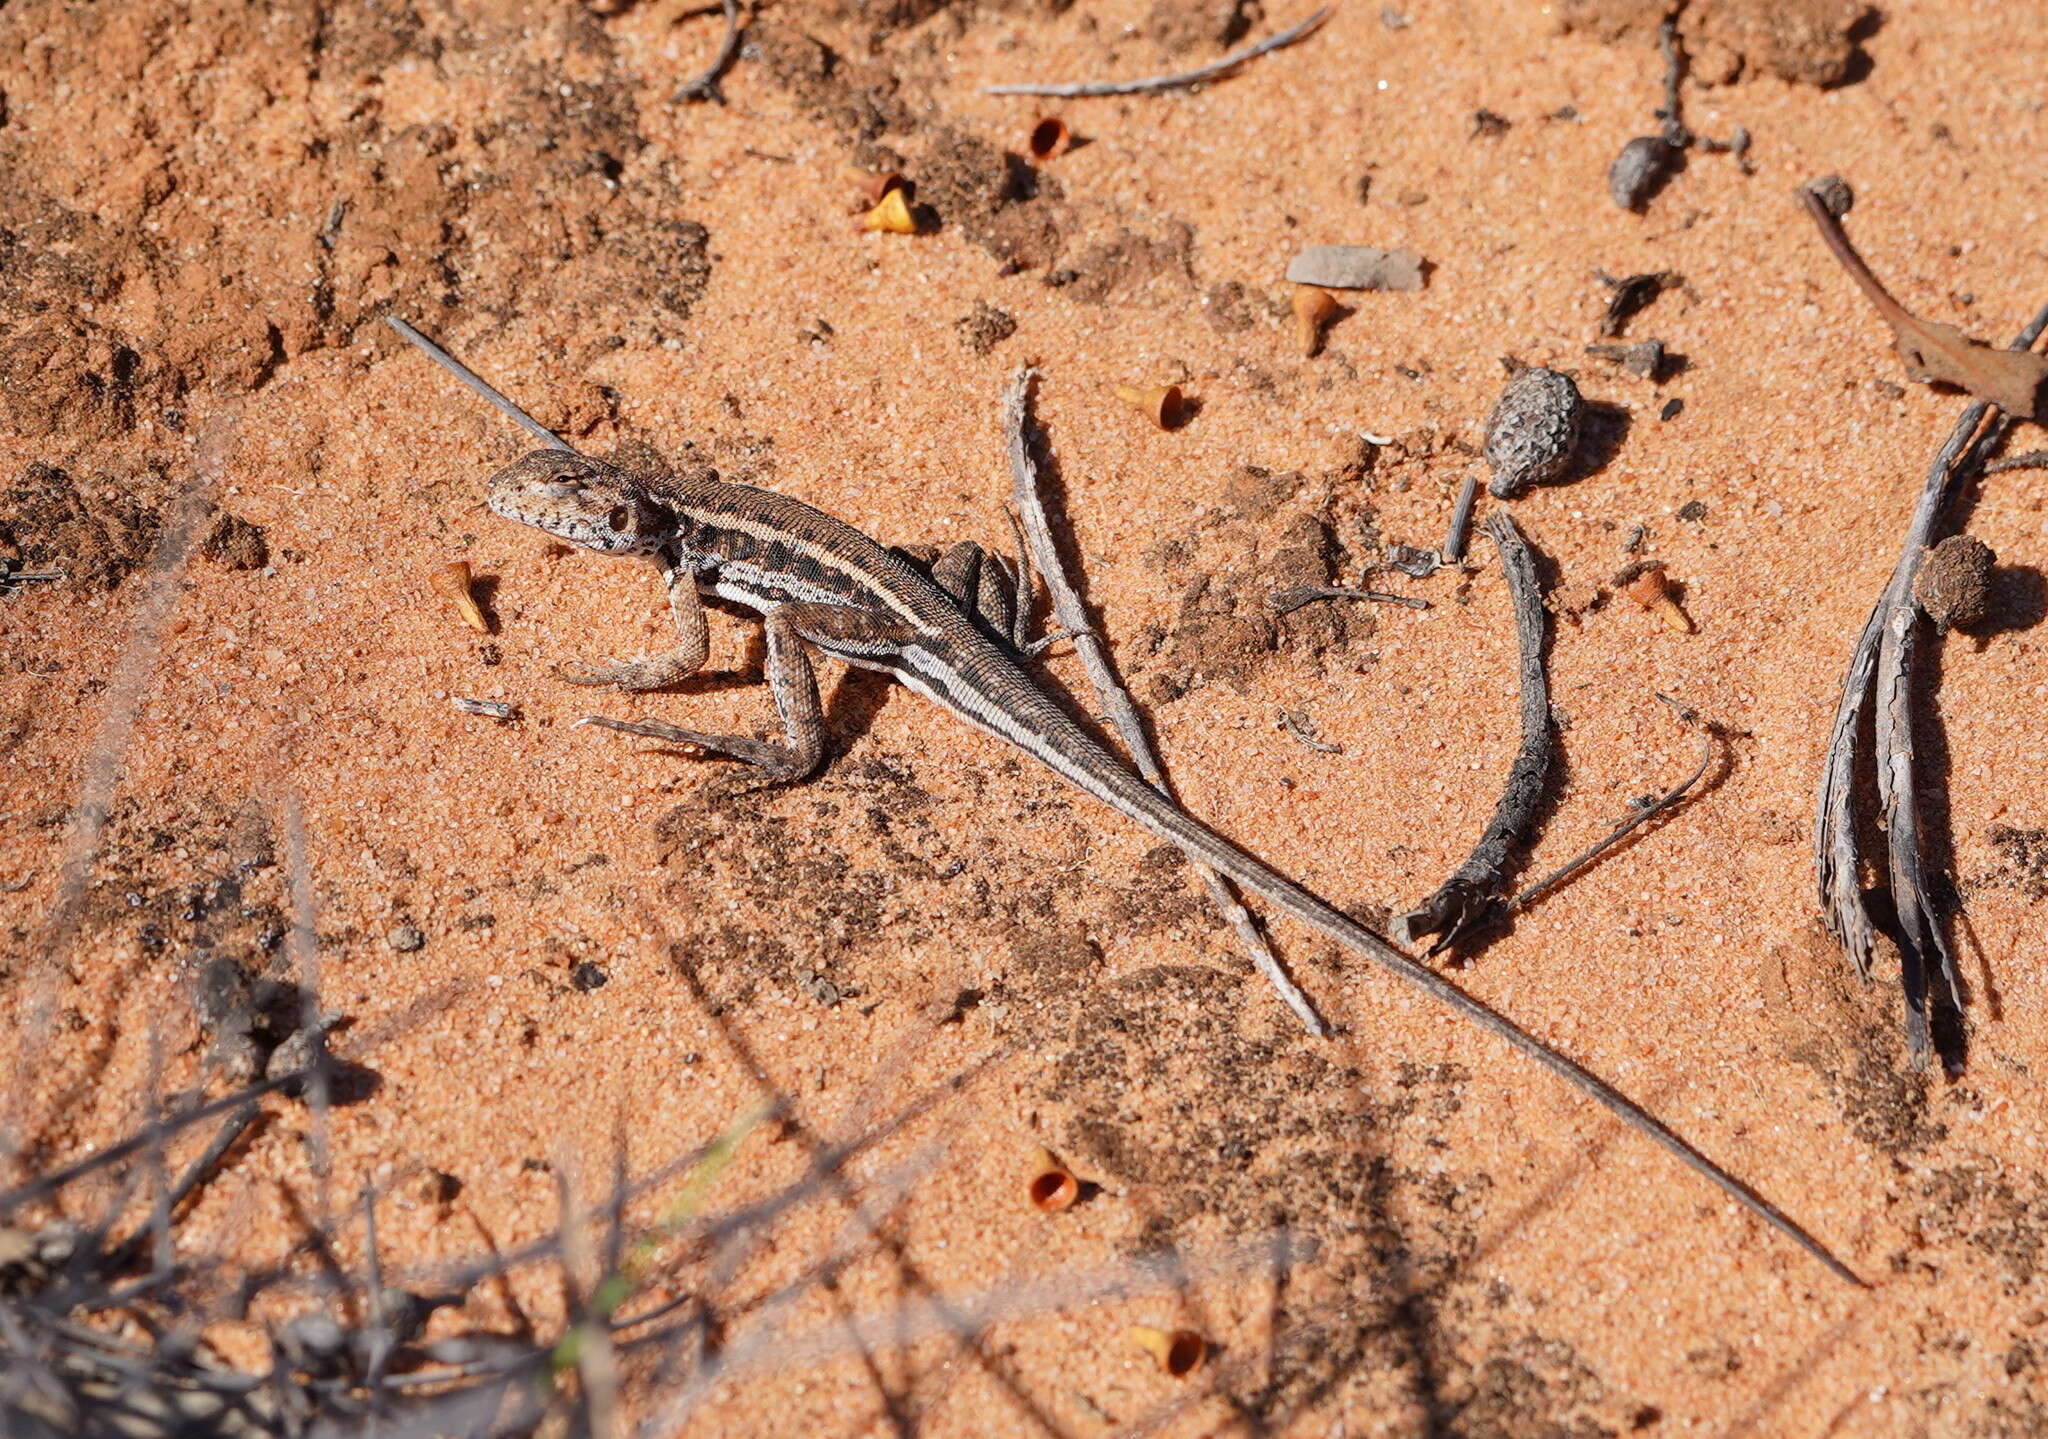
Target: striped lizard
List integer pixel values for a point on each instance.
(952, 631)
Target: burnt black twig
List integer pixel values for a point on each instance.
(1882, 673)
(1088, 88)
(1639, 814)
(1475, 895)
(705, 86)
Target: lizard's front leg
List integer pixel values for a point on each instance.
(793, 681)
(693, 636)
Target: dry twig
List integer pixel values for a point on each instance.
(705, 86)
(1475, 895)
(1072, 615)
(1088, 88)
(1639, 814)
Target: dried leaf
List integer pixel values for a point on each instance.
(2014, 380)
(2010, 379)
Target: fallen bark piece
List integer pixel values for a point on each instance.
(2014, 380)
(1356, 267)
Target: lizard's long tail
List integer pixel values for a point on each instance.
(1064, 746)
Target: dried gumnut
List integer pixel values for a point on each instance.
(1640, 170)
(1531, 432)
(1834, 194)
(1953, 583)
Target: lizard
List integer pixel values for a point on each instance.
(953, 631)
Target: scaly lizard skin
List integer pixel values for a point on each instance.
(952, 634)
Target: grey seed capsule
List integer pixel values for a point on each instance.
(1834, 193)
(1640, 170)
(1532, 430)
(1953, 583)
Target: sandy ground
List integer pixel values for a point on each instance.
(201, 217)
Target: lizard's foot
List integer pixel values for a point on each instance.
(658, 672)
(775, 763)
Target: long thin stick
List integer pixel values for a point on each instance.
(1072, 615)
(1477, 892)
(1637, 817)
(476, 382)
(1084, 89)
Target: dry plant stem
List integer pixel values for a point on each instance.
(1475, 894)
(1461, 520)
(1837, 241)
(127, 688)
(302, 942)
(2031, 460)
(1675, 133)
(1636, 819)
(44, 1185)
(1886, 654)
(476, 383)
(1286, 601)
(1068, 610)
(1086, 88)
(705, 86)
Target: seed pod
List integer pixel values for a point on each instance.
(453, 581)
(1050, 138)
(1532, 431)
(1834, 194)
(1179, 1352)
(1313, 309)
(1953, 584)
(1161, 404)
(1641, 169)
(1052, 1186)
(1645, 583)
(891, 215)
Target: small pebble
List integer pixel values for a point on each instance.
(1644, 359)
(1640, 170)
(1532, 431)
(587, 976)
(405, 939)
(1356, 267)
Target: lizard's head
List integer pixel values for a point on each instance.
(584, 501)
